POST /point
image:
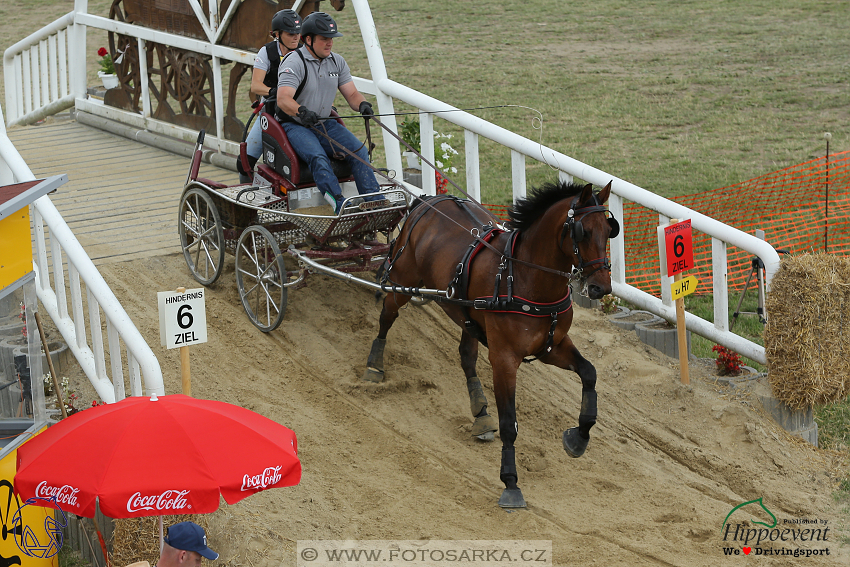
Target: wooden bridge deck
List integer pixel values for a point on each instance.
(122, 196)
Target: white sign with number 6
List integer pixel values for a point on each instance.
(182, 318)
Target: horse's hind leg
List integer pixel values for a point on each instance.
(375, 363)
(485, 425)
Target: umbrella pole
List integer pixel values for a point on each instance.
(185, 371)
(161, 537)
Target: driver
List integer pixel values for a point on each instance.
(308, 79)
(286, 29)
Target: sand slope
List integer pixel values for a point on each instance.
(665, 466)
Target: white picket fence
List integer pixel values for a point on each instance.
(55, 289)
(34, 54)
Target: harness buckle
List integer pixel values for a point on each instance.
(480, 304)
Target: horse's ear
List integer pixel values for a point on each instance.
(586, 193)
(605, 193)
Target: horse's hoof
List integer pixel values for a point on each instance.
(512, 498)
(373, 375)
(574, 443)
(484, 427)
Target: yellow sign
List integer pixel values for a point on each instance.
(684, 286)
(27, 526)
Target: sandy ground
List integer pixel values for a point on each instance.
(666, 464)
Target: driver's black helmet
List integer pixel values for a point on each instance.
(287, 21)
(320, 23)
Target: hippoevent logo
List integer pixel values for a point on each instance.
(65, 494)
(270, 476)
(168, 500)
(795, 537)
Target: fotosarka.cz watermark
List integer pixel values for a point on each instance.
(421, 553)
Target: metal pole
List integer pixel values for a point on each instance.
(828, 137)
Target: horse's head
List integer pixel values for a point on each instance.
(588, 228)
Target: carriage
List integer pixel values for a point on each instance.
(281, 210)
(565, 229)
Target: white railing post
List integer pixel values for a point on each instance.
(218, 97)
(617, 245)
(518, 174)
(77, 51)
(143, 77)
(720, 287)
(473, 175)
(426, 141)
(378, 69)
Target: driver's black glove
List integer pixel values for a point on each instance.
(366, 108)
(307, 117)
(272, 94)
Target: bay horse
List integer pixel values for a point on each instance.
(508, 289)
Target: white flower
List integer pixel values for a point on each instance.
(447, 149)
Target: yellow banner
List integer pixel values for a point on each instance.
(684, 286)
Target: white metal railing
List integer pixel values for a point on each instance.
(385, 91)
(522, 148)
(89, 296)
(35, 72)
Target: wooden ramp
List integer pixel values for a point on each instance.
(122, 196)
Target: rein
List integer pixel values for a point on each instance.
(575, 275)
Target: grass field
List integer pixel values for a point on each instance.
(676, 97)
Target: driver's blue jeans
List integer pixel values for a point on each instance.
(314, 149)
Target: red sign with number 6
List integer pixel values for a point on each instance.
(679, 245)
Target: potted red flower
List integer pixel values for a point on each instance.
(107, 69)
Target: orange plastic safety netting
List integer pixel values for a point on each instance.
(789, 205)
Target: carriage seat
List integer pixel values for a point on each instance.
(280, 156)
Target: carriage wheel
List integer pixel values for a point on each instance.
(201, 235)
(260, 274)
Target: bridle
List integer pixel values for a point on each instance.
(573, 226)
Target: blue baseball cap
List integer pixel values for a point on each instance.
(189, 536)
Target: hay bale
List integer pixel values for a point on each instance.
(137, 539)
(807, 338)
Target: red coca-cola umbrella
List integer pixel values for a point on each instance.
(156, 456)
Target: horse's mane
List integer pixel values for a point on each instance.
(525, 211)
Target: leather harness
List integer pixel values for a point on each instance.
(498, 302)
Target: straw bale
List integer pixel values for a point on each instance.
(806, 338)
(137, 539)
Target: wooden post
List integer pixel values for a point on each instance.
(46, 348)
(683, 337)
(680, 331)
(185, 370)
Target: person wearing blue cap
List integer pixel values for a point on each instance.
(184, 545)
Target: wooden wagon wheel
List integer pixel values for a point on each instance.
(162, 66)
(194, 84)
(260, 273)
(126, 67)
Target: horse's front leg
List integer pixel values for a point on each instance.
(504, 384)
(484, 425)
(389, 313)
(566, 355)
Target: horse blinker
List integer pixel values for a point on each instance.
(615, 227)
